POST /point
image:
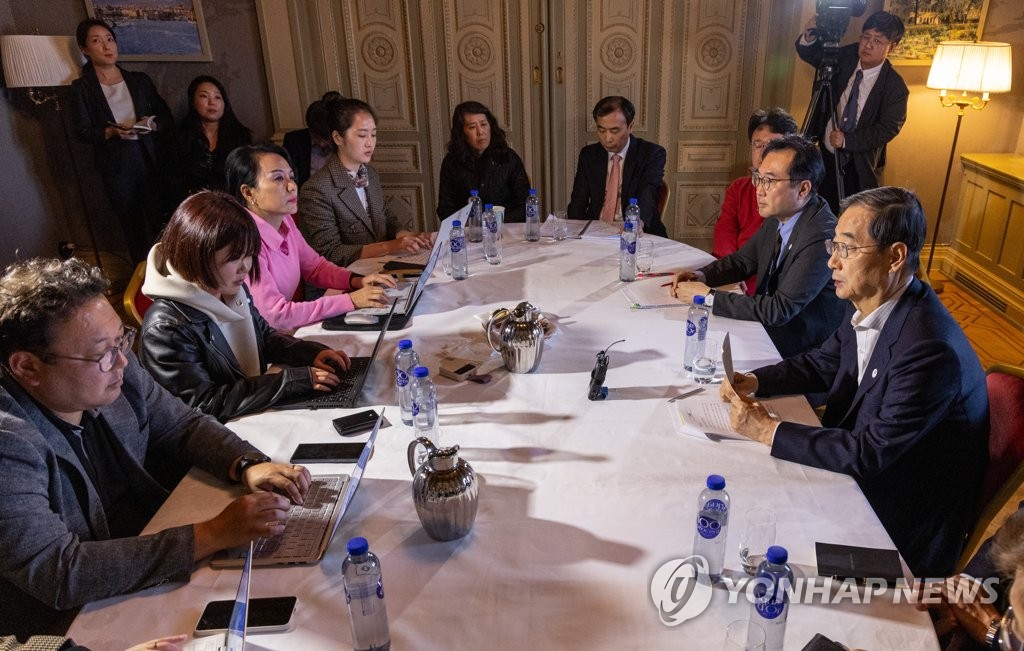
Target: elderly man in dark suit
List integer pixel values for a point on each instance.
(795, 299)
(82, 431)
(871, 105)
(618, 167)
(907, 410)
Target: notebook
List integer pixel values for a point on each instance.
(350, 385)
(404, 297)
(311, 525)
(234, 638)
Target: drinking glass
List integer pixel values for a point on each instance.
(446, 257)
(744, 635)
(645, 256)
(559, 225)
(758, 536)
(705, 363)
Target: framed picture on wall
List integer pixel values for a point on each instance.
(155, 30)
(930, 22)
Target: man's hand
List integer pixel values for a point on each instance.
(685, 291)
(744, 384)
(289, 480)
(837, 138)
(750, 419)
(170, 643)
(249, 517)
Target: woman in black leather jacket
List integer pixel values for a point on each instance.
(202, 338)
(479, 158)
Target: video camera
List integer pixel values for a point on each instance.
(833, 17)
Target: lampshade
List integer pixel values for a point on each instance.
(40, 61)
(982, 67)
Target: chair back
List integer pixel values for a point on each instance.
(135, 302)
(663, 195)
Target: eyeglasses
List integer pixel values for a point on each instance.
(766, 183)
(843, 249)
(1008, 640)
(108, 358)
(874, 41)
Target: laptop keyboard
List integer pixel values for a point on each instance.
(306, 522)
(343, 394)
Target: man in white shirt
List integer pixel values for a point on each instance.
(872, 119)
(907, 408)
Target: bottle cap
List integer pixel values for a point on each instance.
(358, 546)
(698, 299)
(473, 193)
(456, 223)
(628, 226)
(405, 344)
(421, 371)
(632, 201)
(775, 554)
(488, 206)
(533, 191)
(716, 482)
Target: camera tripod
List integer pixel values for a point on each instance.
(823, 102)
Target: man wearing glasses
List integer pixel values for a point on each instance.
(871, 105)
(907, 408)
(82, 429)
(795, 298)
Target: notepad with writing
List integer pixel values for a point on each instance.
(651, 293)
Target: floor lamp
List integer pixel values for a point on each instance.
(40, 64)
(965, 68)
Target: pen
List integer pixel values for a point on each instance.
(666, 284)
(649, 274)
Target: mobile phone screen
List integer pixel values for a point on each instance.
(327, 452)
(266, 613)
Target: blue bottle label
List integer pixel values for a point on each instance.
(492, 226)
(769, 607)
(457, 244)
(632, 248)
(401, 377)
(691, 328)
(380, 587)
(709, 526)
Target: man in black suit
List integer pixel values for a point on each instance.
(907, 412)
(796, 299)
(873, 119)
(632, 165)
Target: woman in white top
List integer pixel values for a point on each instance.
(121, 113)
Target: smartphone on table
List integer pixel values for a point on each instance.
(266, 615)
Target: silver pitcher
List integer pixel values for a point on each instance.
(521, 337)
(444, 490)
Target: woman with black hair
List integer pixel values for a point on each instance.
(208, 133)
(479, 158)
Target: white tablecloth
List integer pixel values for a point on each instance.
(580, 501)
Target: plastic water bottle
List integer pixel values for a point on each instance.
(696, 332)
(492, 235)
(460, 257)
(533, 216)
(770, 608)
(627, 254)
(364, 594)
(474, 225)
(712, 524)
(406, 360)
(632, 215)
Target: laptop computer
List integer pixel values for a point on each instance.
(406, 295)
(311, 525)
(234, 638)
(350, 385)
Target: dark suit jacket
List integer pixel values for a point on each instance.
(334, 221)
(91, 115)
(642, 175)
(500, 178)
(913, 433)
(881, 119)
(803, 310)
(300, 148)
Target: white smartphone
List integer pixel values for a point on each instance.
(458, 369)
(266, 615)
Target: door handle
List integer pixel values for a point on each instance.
(558, 75)
(536, 75)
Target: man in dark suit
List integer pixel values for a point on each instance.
(907, 409)
(795, 299)
(874, 117)
(633, 166)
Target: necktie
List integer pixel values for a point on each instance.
(849, 120)
(773, 265)
(611, 190)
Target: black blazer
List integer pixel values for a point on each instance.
(642, 175)
(881, 119)
(187, 353)
(299, 145)
(91, 115)
(913, 432)
(803, 310)
(500, 178)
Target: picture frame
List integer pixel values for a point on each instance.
(155, 30)
(929, 22)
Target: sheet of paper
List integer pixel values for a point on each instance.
(648, 293)
(707, 413)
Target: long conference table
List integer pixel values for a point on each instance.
(580, 502)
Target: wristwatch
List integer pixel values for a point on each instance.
(248, 460)
(992, 633)
(709, 298)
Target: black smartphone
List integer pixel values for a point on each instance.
(266, 615)
(356, 423)
(327, 452)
